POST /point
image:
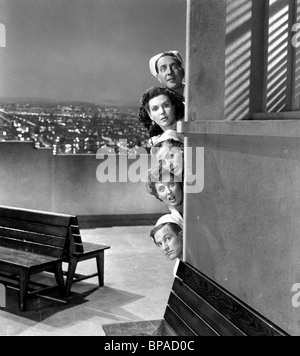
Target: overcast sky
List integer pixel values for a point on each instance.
(87, 50)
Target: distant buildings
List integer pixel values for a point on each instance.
(71, 129)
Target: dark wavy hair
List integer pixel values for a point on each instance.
(145, 119)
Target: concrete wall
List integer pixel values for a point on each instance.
(243, 229)
(205, 74)
(75, 177)
(25, 176)
(35, 179)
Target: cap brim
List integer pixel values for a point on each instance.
(168, 218)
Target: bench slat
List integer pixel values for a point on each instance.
(77, 242)
(175, 323)
(77, 238)
(217, 320)
(92, 247)
(34, 227)
(79, 248)
(89, 248)
(74, 221)
(241, 315)
(75, 230)
(32, 237)
(32, 247)
(24, 259)
(164, 329)
(189, 317)
(37, 216)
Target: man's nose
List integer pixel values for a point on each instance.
(169, 70)
(165, 246)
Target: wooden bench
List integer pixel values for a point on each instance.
(34, 241)
(82, 251)
(198, 306)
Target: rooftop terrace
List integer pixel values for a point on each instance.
(138, 279)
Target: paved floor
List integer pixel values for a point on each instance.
(138, 279)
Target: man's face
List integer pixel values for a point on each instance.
(170, 193)
(169, 242)
(170, 73)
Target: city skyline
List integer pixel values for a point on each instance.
(72, 129)
(92, 51)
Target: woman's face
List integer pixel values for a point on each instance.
(162, 111)
(171, 158)
(170, 193)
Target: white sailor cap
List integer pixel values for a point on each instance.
(153, 61)
(167, 135)
(168, 218)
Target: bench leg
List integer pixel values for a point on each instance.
(59, 277)
(24, 284)
(70, 274)
(100, 268)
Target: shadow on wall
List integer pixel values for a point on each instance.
(259, 58)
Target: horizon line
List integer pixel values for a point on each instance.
(104, 103)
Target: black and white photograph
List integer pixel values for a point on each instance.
(149, 169)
